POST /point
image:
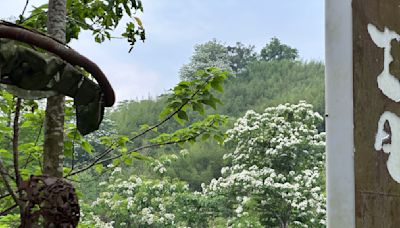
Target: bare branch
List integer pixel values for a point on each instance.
(26, 5)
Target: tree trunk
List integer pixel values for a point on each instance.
(54, 118)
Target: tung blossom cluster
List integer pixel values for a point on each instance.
(272, 179)
(276, 166)
(136, 202)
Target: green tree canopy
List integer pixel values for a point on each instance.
(241, 55)
(275, 50)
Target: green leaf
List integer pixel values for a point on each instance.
(66, 170)
(139, 156)
(127, 10)
(37, 171)
(199, 108)
(25, 173)
(25, 146)
(139, 21)
(209, 102)
(128, 160)
(122, 140)
(217, 86)
(5, 154)
(144, 127)
(68, 145)
(116, 162)
(165, 113)
(182, 115)
(98, 168)
(26, 124)
(205, 136)
(219, 139)
(87, 147)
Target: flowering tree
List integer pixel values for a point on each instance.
(210, 54)
(274, 171)
(146, 202)
(135, 202)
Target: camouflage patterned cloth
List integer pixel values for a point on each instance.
(24, 72)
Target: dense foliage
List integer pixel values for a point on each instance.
(101, 17)
(272, 179)
(263, 84)
(274, 160)
(139, 171)
(275, 167)
(275, 50)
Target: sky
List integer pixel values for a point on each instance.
(174, 27)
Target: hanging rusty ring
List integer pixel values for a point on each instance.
(14, 32)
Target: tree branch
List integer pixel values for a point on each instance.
(23, 11)
(99, 161)
(173, 113)
(110, 149)
(7, 184)
(27, 161)
(32, 16)
(73, 153)
(8, 210)
(15, 142)
(4, 196)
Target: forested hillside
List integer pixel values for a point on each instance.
(260, 84)
(269, 83)
(216, 173)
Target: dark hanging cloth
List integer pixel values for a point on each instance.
(31, 70)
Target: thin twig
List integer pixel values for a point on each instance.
(7, 184)
(8, 210)
(27, 161)
(110, 149)
(15, 142)
(136, 150)
(4, 196)
(23, 11)
(8, 194)
(32, 16)
(38, 135)
(73, 153)
(174, 113)
(90, 27)
(9, 176)
(120, 155)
